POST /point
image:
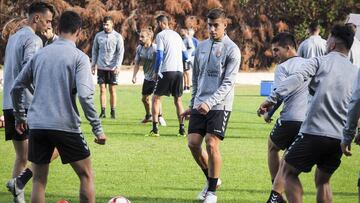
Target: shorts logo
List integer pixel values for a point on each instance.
(218, 131)
(226, 114)
(84, 142)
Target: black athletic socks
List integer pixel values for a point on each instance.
(182, 129)
(155, 127)
(212, 184)
(206, 173)
(112, 113)
(275, 197)
(102, 114)
(23, 178)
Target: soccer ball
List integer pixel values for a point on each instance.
(119, 199)
(62, 201)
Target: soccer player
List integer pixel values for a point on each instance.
(354, 54)
(331, 83)
(54, 120)
(190, 49)
(291, 118)
(145, 55)
(314, 45)
(19, 50)
(170, 53)
(107, 57)
(216, 64)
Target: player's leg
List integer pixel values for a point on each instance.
(21, 155)
(103, 100)
(112, 90)
(293, 187)
(40, 172)
(84, 171)
(155, 114)
(214, 163)
(322, 183)
(146, 100)
(273, 159)
(176, 92)
(179, 110)
(201, 157)
(101, 80)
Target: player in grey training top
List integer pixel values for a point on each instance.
(314, 45)
(107, 57)
(354, 54)
(145, 55)
(216, 64)
(332, 77)
(19, 50)
(287, 126)
(168, 72)
(54, 119)
(188, 64)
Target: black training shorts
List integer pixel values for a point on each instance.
(107, 77)
(214, 122)
(71, 146)
(308, 150)
(10, 132)
(284, 133)
(170, 83)
(148, 87)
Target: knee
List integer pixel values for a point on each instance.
(145, 100)
(212, 146)
(102, 90)
(85, 173)
(193, 146)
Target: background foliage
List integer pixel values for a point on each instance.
(252, 22)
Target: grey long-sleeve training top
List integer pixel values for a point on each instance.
(216, 64)
(312, 47)
(295, 104)
(353, 114)
(108, 50)
(332, 79)
(59, 72)
(19, 50)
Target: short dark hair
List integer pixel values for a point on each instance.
(40, 7)
(108, 18)
(216, 13)
(69, 22)
(284, 39)
(352, 26)
(313, 27)
(343, 33)
(162, 18)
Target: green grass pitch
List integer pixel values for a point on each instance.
(162, 170)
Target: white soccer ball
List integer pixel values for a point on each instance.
(119, 199)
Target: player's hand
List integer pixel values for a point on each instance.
(267, 118)
(93, 70)
(185, 114)
(20, 127)
(154, 77)
(101, 139)
(116, 70)
(203, 108)
(346, 149)
(134, 80)
(264, 107)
